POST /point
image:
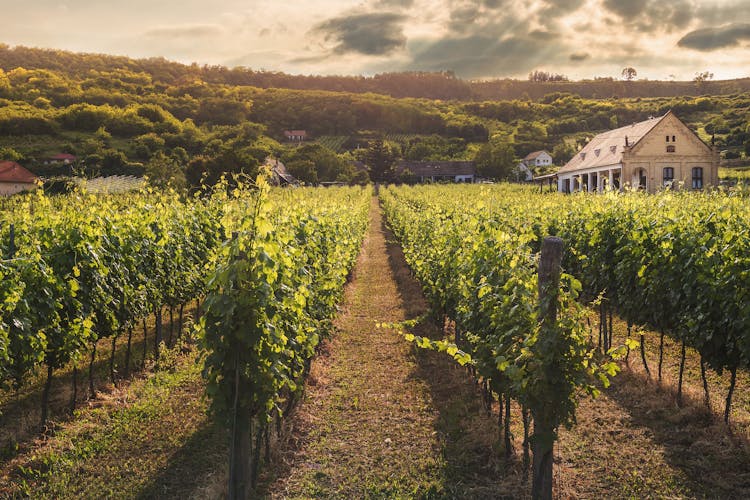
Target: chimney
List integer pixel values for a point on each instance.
(626, 142)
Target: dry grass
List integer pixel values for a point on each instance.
(149, 437)
(20, 411)
(378, 419)
(634, 441)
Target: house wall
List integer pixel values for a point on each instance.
(9, 188)
(542, 160)
(651, 155)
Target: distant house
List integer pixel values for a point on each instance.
(647, 155)
(437, 171)
(531, 161)
(64, 158)
(295, 135)
(15, 179)
(280, 176)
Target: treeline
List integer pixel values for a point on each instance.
(429, 85)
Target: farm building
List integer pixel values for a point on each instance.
(531, 161)
(648, 155)
(64, 158)
(295, 135)
(438, 171)
(15, 179)
(280, 176)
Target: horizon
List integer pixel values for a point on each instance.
(483, 40)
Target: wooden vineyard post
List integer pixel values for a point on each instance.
(544, 427)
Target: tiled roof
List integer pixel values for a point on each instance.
(440, 168)
(606, 148)
(534, 155)
(11, 171)
(63, 157)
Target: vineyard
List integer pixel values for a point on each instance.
(72, 278)
(651, 284)
(333, 142)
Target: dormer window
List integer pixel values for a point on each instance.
(597, 151)
(670, 149)
(583, 156)
(613, 149)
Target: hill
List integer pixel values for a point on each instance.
(429, 85)
(124, 116)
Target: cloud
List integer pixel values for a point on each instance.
(712, 38)
(364, 33)
(393, 4)
(653, 15)
(481, 55)
(579, 56)
(185, 30)
(627, 9)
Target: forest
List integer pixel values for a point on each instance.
(188, 124)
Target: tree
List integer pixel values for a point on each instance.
(701, 79)
(303, 171)
(562, 153)
(379, 158)
(629, 73)
(163, 171)
(496, 159)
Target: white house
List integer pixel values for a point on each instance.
(647, 155)
(533, 160)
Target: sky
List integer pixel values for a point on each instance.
(661, 39)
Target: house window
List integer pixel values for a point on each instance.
(667, 138)
(673, 140)
(668, 175)
(697, 177)
(670, 149)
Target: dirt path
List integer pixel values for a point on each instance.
(379, 420)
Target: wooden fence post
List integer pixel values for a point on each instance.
(549, 288)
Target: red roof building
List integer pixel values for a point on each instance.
(14, 178)
(62, 158)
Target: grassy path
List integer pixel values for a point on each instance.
(379, 420)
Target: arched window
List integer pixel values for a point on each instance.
(667, 175)
(697, 177)
(670, 149)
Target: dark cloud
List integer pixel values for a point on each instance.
(557, 7)
(707, 39)
(481, 55)
(364, 33)
(188, 30)
(462, 18)
(543, 35)
(393, 4)
(714, 15)
(627, 9)
(653, 15)
(579, 56)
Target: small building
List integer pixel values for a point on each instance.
(437, 171)
(647, 155)
(295, 135)
(533, 160)
(64, 158)
(280, 176)
(15, 179)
